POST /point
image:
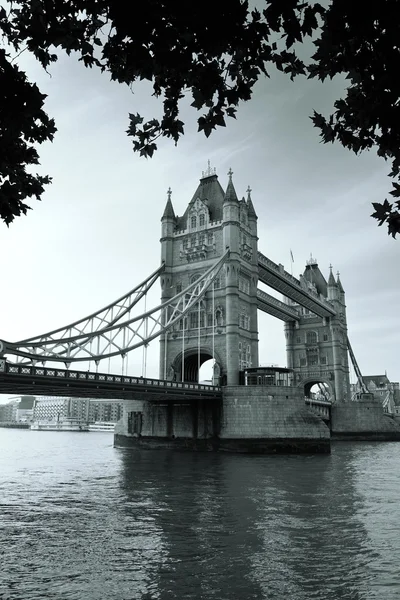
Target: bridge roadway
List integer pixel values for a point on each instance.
(42, 381)
(280, 280)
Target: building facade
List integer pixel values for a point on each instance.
(224, 324)
(83, 409)
(316, 347)
(384, 390)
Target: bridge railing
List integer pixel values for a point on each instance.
(106, 378)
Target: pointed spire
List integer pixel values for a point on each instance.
(230, 193)
(250, 207)
(169, 209)
(331, 280)
(339, 283)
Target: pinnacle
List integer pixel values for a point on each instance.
(339, 283)
(169, 209)
(230, 193)
(331, 280)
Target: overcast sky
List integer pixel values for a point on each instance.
(96, 233)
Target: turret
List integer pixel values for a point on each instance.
(333, 292)
(340, 289)
(251, 213)
(231, 217)
(168, 221)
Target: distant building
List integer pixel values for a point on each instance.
(382, 388)
(105, 410)
(50, 409)
(83, 409)
(18, 409)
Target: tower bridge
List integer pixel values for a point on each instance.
(210, 271)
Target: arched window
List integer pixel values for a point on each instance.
(195, 277)
(202, 220)
(311, 337)
(193, 222)
(219, 320)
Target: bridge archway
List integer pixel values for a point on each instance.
(192, 360)
(317, 385)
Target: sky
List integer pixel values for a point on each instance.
(95, 234)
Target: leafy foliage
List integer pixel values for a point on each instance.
(214, 51)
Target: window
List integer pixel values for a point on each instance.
(218, 317)
(217, 283)
(193, 222)
(312, 359)
(209, 320)
(311, 337)
(178, 288)
(298, 339)
(210, 239)
(325, 337)
(194, 320)
(202, 220)
(323, 360)
(303, 362)
(202, 239)
(244, 321)
(244, 285)
(194, 277)
(185, 243)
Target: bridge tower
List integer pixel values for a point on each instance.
(223, 326)
(317, 347)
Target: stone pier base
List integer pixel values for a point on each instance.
(256, 419)
(363, 420)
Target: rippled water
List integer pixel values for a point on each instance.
(80, 519)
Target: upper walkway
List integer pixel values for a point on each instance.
(280, 280)
(276, 308)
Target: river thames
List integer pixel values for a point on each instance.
(82, 520)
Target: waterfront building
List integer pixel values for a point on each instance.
(384, 390)
(83, 409)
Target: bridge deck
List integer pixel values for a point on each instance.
(41, 381)
(280, 280)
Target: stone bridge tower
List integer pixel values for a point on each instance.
(224, 326)
(317, 347)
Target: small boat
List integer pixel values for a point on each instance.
(59, 425)
(102, 426)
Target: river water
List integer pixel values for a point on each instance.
(82, 520)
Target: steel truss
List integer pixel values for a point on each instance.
(105, 334)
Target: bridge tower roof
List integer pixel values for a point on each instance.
(211, 193)
(313, 274)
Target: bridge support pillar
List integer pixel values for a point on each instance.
(195, 419)
(170, 419)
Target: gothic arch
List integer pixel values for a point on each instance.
(308, 382)
(192, 362)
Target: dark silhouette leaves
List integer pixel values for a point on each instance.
(216, 52)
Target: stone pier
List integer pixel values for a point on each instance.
(363, 420)
(250, 419)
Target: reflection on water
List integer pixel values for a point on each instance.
(80, 519)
